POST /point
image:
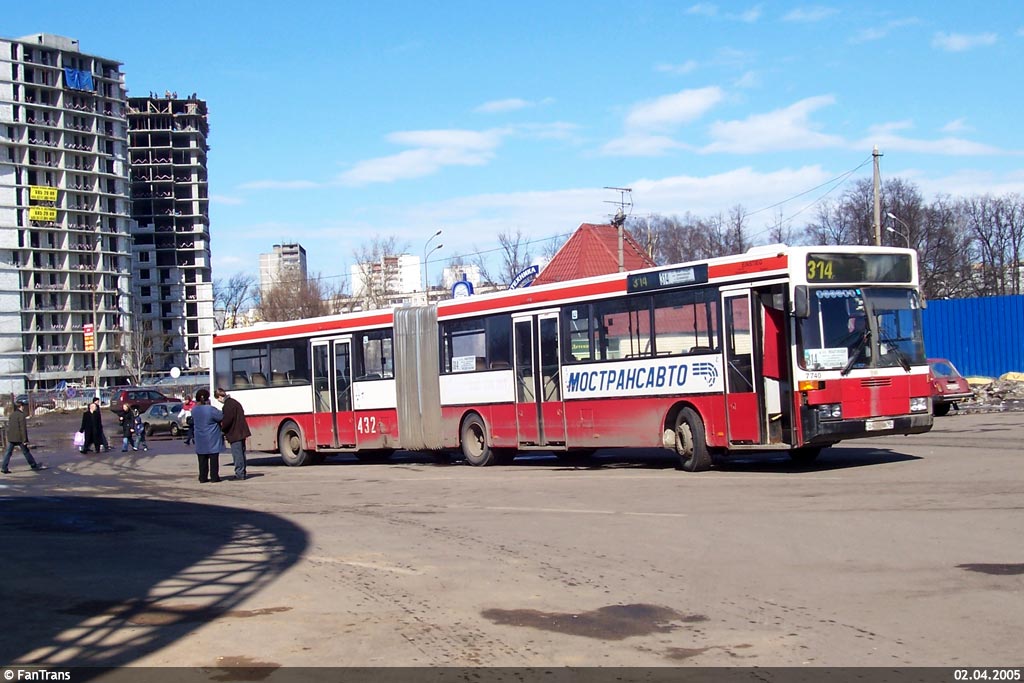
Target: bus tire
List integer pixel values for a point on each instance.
(473, 439)
(289, 445)
(691, 442)
(805, 455)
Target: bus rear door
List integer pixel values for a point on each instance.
(333, 421)
(540, 415)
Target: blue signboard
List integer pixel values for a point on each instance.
(524, 277)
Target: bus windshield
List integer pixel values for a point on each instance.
(861, 327)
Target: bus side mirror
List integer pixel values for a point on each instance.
(801, 302)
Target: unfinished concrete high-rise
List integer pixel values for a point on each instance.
(64, 221)
(171, 208)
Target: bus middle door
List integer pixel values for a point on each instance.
(740, 347)
(540, 415)
(333, 421)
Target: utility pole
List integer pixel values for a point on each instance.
(619, 221)
(878, 199)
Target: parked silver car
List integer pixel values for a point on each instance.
(163, 417)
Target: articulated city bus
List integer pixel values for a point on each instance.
(781, 349)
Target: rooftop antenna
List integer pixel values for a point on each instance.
(619, 220)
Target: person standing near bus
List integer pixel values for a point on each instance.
(209, 438)
(17, 435)
(92, 427)
(236, 430)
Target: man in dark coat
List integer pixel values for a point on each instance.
(17, 435)
(236, 430)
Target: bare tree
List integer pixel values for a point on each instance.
(295, 298)
(232, 298)
(515, 255)
(378, 271)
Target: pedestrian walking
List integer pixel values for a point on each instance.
(209, 438)
(103, 434)
(17, 435)
(236, 430)
(92, 427)
(127, 422)
(140, 430)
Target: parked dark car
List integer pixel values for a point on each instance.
(37, 401)
(138, 397)
(948, 386)
(163, 418)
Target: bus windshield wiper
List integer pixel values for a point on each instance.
(857, 351)
(900, 356)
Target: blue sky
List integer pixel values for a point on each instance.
(332, 122)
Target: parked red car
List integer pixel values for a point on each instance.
(948, 386)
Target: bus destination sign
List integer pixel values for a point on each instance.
(838, 268)
(668, 278)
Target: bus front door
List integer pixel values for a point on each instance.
(742, 409)
(540, 415)
(333, 421)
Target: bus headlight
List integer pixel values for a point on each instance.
(919, 405)
(829, 411)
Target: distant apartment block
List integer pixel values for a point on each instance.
(173, 285)
(286, 262)
(65, 254)
(392, 275)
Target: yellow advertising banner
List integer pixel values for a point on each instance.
(42, 193)
(42, 213)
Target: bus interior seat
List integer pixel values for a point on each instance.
(241, 379)
(278, 379)
(701, 349)
(259, 379)
(500, 365)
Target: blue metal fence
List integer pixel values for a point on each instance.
(983, 336)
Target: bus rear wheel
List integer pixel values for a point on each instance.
(474, 442)
(289, 444)
(691, 442)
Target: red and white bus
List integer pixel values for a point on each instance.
(779, 349)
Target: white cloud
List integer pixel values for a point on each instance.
(670, 111)
(501, 106)
(225, 199)
(957, 126)
(280, 185)
(960, 42)
(810, 15)
(703, 9)
(686, 67)
(782, 129)
(433, 150)
(949, 146)
(641, 145)
(749, 79)
(748, 16)
(879, 32)
(966, 182)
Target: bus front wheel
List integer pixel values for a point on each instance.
(474, 442)
(289, 443)
(691, 442)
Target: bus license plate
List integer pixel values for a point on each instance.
(878, 425)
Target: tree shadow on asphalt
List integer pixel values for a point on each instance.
(105, 581)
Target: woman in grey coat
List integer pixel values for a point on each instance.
(209, 438)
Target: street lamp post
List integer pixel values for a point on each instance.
(896, 218)
(426, 288)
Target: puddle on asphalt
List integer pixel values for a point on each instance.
(614, 622)
(994, 569)
(242, 669)
(155, 614)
